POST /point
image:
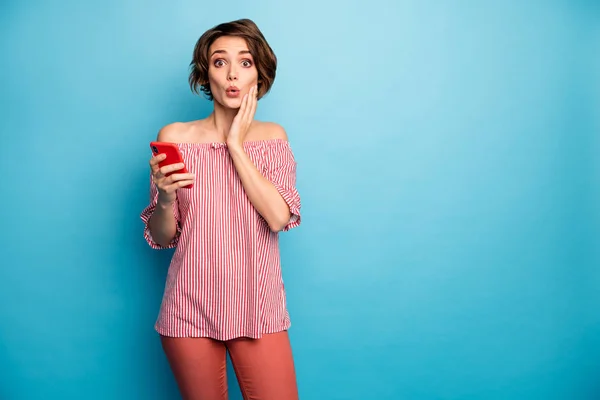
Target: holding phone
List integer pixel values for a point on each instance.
(173, 157)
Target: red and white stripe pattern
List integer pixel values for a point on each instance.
(224, 280)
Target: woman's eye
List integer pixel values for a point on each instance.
(246, 63)
(219, 63)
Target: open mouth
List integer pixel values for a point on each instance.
(232, 91)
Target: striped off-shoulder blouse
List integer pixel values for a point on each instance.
(224, 280)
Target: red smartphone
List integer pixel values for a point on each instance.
(173, 157)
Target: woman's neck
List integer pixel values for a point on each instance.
(220, 120)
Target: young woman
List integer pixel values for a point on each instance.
(224, 290)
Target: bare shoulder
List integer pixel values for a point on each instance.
(174, 132)
(269, 130)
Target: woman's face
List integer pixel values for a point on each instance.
(231, 71)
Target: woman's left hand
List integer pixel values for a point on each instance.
(243, 119)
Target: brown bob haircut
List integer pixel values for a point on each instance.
(264, 57)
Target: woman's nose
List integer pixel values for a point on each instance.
(232, 76)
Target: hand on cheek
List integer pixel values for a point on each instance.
(243, 119)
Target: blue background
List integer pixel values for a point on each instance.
(448, 166)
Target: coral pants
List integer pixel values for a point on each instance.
(264, 367)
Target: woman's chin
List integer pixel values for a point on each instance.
(230, 102)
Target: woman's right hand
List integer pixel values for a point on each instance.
(168, 185)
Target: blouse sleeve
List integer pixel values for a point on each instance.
(147, 213)
(281, 172)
